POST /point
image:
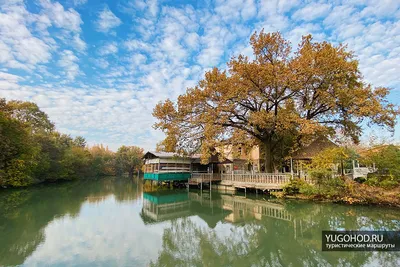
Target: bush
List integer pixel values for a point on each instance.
(308, 189)
(384, 181)
(297, 186)
(388, 184)
(372, 181)
(320, 175)
(293, 187)
(332, 187)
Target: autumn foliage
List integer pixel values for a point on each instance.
(279, 99)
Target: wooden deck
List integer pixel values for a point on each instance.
(204, 178)
(262, 181)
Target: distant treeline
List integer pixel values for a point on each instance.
(32, 151)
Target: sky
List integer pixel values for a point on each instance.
(98, 67)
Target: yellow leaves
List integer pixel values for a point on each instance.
(270, 47)
(329, 157)
(311, 128)
(280, 98)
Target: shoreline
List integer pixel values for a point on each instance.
(344, 200)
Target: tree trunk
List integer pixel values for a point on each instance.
(268, 158)
(131, 172)
(342, 167)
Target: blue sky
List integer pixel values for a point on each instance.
(99, 67)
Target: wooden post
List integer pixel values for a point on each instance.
(210, 183)
(301, 169)
(291, 167)
(232, 172)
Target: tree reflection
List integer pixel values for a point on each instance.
(24, 213)
(259, 240)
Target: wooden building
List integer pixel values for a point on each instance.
(305, 155)
(167, 166)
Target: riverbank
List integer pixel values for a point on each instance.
(342, 191)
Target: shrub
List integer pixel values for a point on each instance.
(293, 187)
(372, 181)
(308, 189)
(384, 181)
(320, 175)
(333, 187)
(388, 184)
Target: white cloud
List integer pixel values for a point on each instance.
(10, 77)
(17, 43)
(79, 44)
(338, 15)
(25, 38)
(66, 19)
(312, 11)
(138, 59)
(68, 61)
(79, 2)
(163, 51)
(108, 49)
(107, 20)
(101, 63)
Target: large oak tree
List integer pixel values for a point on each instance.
(279, 100)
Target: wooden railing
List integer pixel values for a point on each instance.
(204, 177)
(258, 178)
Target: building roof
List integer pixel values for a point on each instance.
(154, 154)
(317, 146)
(213, 159)
(196, 157)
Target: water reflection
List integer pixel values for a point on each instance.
(25, 213)
(244, 231)
(111, 222)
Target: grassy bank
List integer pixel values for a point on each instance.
(341, 190)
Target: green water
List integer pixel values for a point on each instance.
(112, 222)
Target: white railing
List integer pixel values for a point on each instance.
(258, 178)
(307, 179)
(202, 177)
(177, 170)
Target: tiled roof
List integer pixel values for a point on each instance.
(195, 157)
(314, 148)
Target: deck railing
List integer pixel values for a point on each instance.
(204, 177)
(258, 178)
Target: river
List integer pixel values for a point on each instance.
(112, 222)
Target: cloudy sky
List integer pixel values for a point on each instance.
(99, 67)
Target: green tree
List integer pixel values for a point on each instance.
(75, 163)
(103, 161)
(386, 158)
(28, 113)
(79, 141)
(18, 152)
(129, 159)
